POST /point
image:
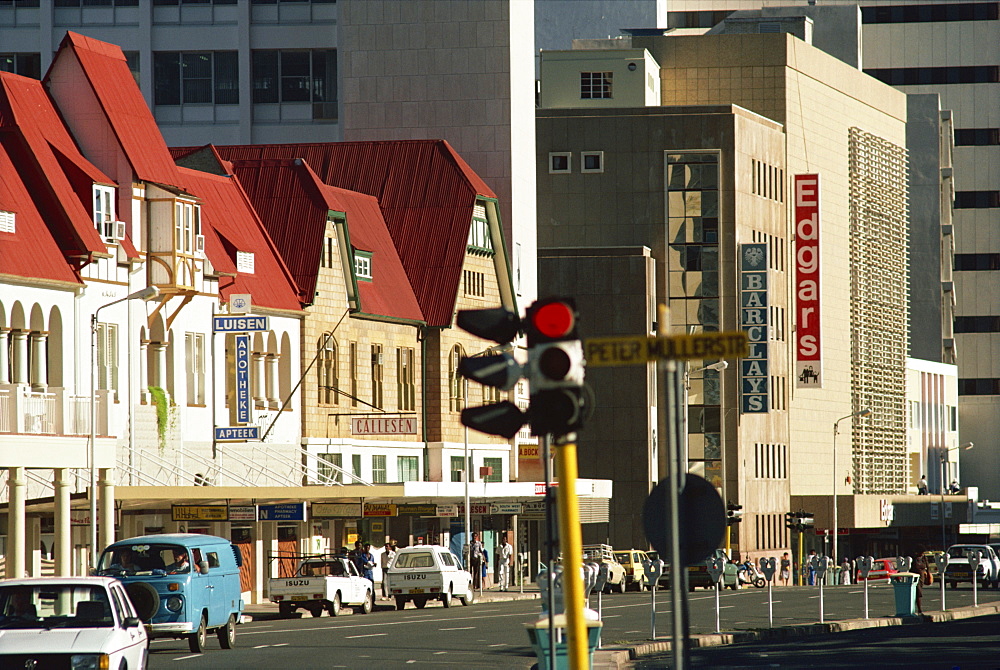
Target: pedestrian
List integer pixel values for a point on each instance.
(845, 572)
(923, 577)
(505, 553)
(786, 566)
(954, 487)
(476, 561)
(368, 564)
(356, 557)
(922, 486)
(385, 560)
(811, 568)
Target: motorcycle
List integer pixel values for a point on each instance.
(748, 573)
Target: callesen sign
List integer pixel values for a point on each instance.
(808, 358)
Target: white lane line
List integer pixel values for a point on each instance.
(281, 644)
(501, 644)
(610, 616)
(184, 658)
(262, 646)
(460, 628)
(438, 653)
(351, 637)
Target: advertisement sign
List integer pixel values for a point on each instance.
(505, 508)
(282, 512)
(199, 513)
(335, 510)
(417, 509)
(379, 509)
(237, 433)
(242, 357)
(240, 324)
(446, 510)
(808, 353)
(242, 513)
(754, 391)
(383, 426)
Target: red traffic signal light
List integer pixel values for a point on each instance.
(551, 320)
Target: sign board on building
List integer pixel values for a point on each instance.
(335, 510)
(540, 488)
(417, 509)
(242, 513)
(406, 425)
(808, 354)
(474, 508)
(754, 391)
(282, 512)
(237, 433)
(239, 303)
(529, 451)
(379, 509)
(446, 510)
(240, 324)
(505, 508)
(641, 349)
(199, 513)
(242, 382)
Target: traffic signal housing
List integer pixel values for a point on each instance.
(556, 367)
(734, 513)
(798, 521)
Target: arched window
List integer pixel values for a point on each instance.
(326, 370)
(455, 385)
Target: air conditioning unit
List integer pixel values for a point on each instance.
(199, 243)
(119, 230)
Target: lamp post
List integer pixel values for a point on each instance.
(147, 293)
(836, 430)
(944, 460)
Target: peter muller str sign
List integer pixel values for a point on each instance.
(406, 425)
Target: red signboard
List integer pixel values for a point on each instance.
(808, 358)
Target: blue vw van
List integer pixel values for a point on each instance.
(183, 585)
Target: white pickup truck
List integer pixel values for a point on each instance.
(322, 583)
(428, 572)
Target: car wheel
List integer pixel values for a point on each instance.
(621, 586)
(227, 634)
(469, 599)
(420, 603)
(446, 597)
(333, 607)
(197, 639)
(400, 603)
(285, 610)
(368, 604)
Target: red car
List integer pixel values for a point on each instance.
(881, 569)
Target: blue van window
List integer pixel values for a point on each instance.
(213, 559)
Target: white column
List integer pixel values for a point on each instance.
(4, 362)
(106, 515)
(17, 487)
(160, 364)
(258, 378)
(62, 550)
(33, 545)
(39, 369)
(19, 354)
(143, 365)
(272, 380)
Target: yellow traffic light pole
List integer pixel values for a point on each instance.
(571, 544)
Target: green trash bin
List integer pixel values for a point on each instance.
(538, 633)
(904, 586)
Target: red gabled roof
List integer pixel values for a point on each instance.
(426, 193)
(48, 160)
(31, 250)
(107, 71)
(293, 204)
(230, 224)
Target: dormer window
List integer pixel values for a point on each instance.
(244, 262)
(479, 232)
(104, 214)
(7, 222)
(187, 228)
(363, 265)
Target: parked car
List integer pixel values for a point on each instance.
(881, 569)
(698, 574)
(183, 585)
(635, 574)
(69, 622)
(603, 553)
(428, 572)
(958, 570)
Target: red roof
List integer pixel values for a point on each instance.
(46, 156)
(293, 204)
(107, 71)
(426, 193)
(230, 224)
(31, 251)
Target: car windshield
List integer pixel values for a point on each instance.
(961, 551)
(416, 559)
(54, 606)
(144, 559)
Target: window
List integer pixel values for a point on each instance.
(244, 262)
(194, 347)
(107, 356)
(977, 262)
(104, 211)
(406, 389)
(329, 248)
(24, 64)
(592, 161)
(595, 85)
(457, 471)
(202, 77)
(326, 369)
(924, 13)
(479, 232)
(560, 162)
(977, 324)
(455, 386)
(187, 228)
(377, 369)
(7, 222)
(977, 199)
(916, 76)
(297, 76)
(407, 466)
(329, 466)
(353, 363)
(363, 265)
(474, 283)
(378, 469)
(356, 465)
(982, 386)
(497, 465)
(977, 137)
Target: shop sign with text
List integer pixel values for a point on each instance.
(406, 425)
(199, 513)
(335, 510)
(379, 509)
(808, 354)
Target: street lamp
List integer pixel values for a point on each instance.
(836, 430)
(147, 293)
(944, 460)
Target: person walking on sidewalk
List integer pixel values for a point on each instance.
(385, 560)
(504, 554)
(786, 567)
(476, 561)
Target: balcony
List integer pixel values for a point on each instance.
(54, 411)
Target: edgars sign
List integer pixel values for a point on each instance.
(808, 359)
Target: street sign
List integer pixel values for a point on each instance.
(240, 324)
(641, 349)
(237, 433)
(282, 512)
(702, 519)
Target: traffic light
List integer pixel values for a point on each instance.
(734, 513)
(798, 520)
(555, 367)
(791, 521)
(499, 370)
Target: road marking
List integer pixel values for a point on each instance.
(610, 616)
(184, 658)
(262, 646)
(461, 628)
(351, 637)
(280, 644)
(436, 653)
(630, 632)
(501, 644)
(726, 607)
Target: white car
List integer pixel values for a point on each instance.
(79, 623)
(428, 572)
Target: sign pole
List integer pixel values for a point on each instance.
(677, 594)
(571, 544)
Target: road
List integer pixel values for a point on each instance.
(492, 634)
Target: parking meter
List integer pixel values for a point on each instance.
(653, 570)
(589, 579)
(820, 564)
(545, 583)
(903, 563)
(865, 565)
(942, 566)
(768, 566)
(601, 579)
(716, 568)
(975, 558)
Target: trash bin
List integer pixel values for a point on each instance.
(904, 586)
(538, 633)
